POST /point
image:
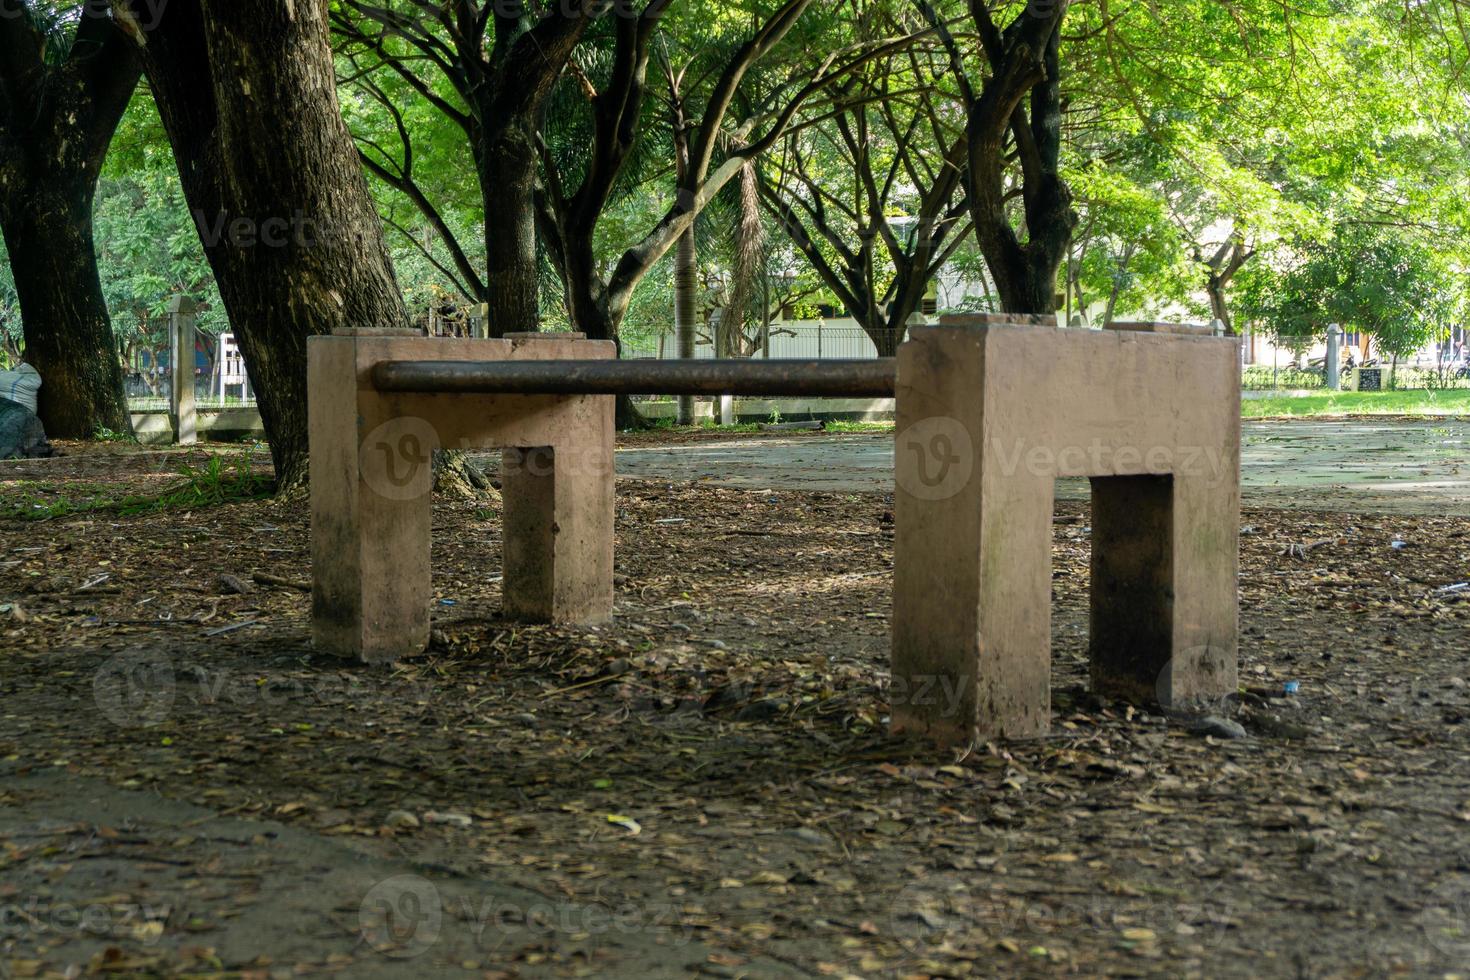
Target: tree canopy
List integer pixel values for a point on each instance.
(633, 168)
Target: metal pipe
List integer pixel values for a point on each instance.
(873, 377)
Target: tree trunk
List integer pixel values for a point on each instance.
(68, 336)
(1219, 308)
(57, 119)
(507, 171)
(686, 285)
(1025, 275)
(247, 93)
(588, 305)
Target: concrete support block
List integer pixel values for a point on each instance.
(558, 555)
(182, 411)
(372, 476)
(989, 416)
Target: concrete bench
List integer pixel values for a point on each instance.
(990, 414)
(371, 482)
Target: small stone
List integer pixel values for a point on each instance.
(718, 644)
(1218, 727)
(448, 819)
(809, 836)
(231, 585)
(400, 818)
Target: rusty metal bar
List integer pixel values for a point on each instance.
(874, 377)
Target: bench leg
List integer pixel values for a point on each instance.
(371, 476)
(1163, 589)
(558, 551)
(971, 600)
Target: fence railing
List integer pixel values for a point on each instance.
(1407, 377)
(784, 341)
(204, 401)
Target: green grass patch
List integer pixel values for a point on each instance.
(878, 426)
(208, 485)
(1453, 401)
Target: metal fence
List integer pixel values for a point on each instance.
(1407, 377)
(784, 341)
(208, 395)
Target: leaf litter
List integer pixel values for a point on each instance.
(721, 749)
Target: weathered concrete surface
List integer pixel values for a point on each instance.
(156, 428)
(1379, 466)
(989, 417)
(371, 477)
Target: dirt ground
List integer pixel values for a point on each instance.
(705, 787)
(1360, 465)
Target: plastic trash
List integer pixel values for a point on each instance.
(21, 385)
(21, 434)
(1291, 687)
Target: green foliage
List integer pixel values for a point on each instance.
(10, 326)
(1389, 282)
(148, 247)
(1326, 138)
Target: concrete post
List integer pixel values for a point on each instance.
(1150, 412)
(724, 404)
(480, 321)
(182, 413)
(1334, 346)
(371, 481)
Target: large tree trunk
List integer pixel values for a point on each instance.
(1025, 62)
(507, 171)
(248, 96)
(588, 305)
(68, 336)
(56, 123)
(686, 295)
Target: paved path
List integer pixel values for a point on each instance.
(1386, 466)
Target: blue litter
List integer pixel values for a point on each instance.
(446, 602)
(1291, 687)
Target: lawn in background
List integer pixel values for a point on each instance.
(1454, 401)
